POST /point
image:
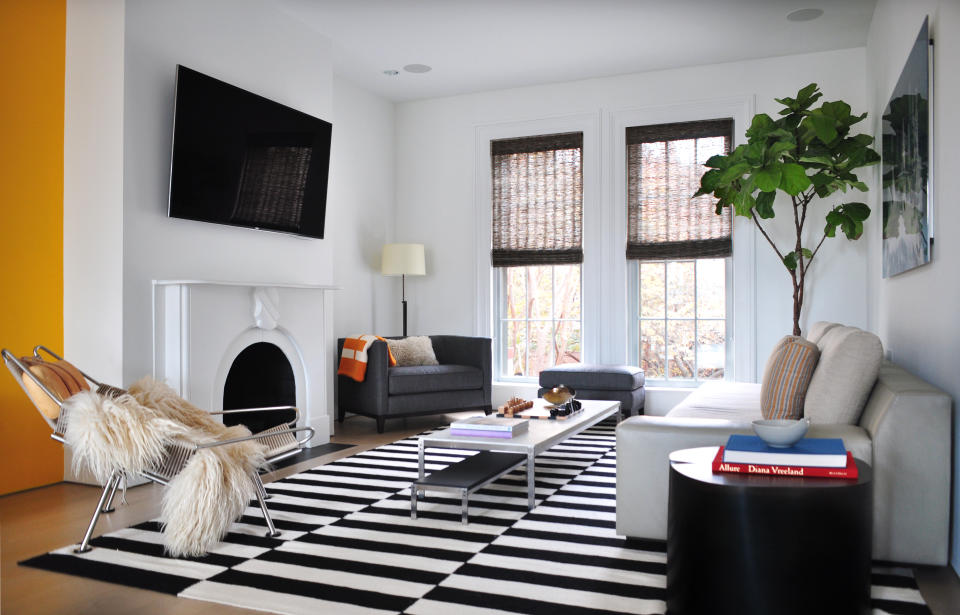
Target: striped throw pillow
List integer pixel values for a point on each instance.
(786, 378)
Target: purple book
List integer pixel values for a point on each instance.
(481, 433)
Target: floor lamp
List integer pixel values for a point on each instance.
(403, 259)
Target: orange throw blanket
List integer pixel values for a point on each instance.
(353, 357)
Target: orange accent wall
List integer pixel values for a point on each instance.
(32, 48)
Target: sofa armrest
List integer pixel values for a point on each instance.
(463, 350)
(909, 421)
(644, 444)
(370, 396)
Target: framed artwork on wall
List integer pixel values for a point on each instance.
(908, 163)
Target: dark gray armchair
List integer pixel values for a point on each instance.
(462, 381)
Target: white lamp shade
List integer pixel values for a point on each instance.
(403, 259)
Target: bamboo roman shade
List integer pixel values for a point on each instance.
(664, 166)
(537, 200)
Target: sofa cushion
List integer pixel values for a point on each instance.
(597, 377)
(818, 329)
(723, 399)
(849, 363)
(786, 378)
(432, 378)
(412, 351)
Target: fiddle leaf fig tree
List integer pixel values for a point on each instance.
(805, 153)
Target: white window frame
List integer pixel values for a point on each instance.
(488, 282)
(633, 287)
(604, 276)
(741, 267)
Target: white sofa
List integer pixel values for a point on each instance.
(903, 432)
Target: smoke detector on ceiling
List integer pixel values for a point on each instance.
(804, 15)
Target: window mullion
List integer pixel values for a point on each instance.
(526, 315)
(696, 321)
(553, 313)
(666, 322)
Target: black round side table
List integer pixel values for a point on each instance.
(769, 545)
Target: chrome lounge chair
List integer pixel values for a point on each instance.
(280, 441)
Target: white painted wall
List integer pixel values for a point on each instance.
(361, 211)
(436, 184)
(93, 189)
(121, 59)
(93, 194)
(915, 312)
(248, 43)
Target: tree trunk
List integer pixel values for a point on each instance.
(797, 306)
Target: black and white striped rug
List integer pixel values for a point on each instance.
(349, 545)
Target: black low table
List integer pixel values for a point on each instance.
(466, 477)
(766, 544)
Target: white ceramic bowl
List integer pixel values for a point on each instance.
(781, 433)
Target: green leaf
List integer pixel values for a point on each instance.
(779, 147)
(806, 253)
(709, 181)
(764, 204)
(806, 92)
(794, 179)
(824, 126)
(837, 109)
(834, 219)
(734, 172)
(743, 203)
(768, 178)
(753, 153)
(856, 211)
(786, 101)
(718, 161)
(760, 126)
(790, 261)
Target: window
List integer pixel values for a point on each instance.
(540, 324)
(682, 319)
(537, 250)
(679, 246)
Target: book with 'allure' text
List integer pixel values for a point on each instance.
(848, 472)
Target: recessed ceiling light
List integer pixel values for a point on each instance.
(417, 68)
(391, 73)
(804, 15)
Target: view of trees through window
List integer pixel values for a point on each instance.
(542, 323)
(683, 319)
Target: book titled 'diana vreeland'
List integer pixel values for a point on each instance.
(808, 452)
(849, 471)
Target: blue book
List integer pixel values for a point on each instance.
(810, 452)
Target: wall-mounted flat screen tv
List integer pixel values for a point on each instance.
(244, 160)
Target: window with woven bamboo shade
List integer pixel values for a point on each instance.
(664, 166)
(537, 200)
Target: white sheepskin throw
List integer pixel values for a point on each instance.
(130, 434)
(108, 434)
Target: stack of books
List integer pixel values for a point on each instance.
(817, 457)
(489, 427)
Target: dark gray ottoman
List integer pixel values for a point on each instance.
(622, 383)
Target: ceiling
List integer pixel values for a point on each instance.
(476, 45)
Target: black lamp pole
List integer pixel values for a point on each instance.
(403, 286)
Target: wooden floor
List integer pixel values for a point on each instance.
(40, 520)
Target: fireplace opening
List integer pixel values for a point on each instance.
(260, 376)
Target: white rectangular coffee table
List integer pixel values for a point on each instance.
(541, 436)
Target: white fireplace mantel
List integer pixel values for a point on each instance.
(201, 326)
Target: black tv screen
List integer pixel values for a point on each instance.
(244, 160)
